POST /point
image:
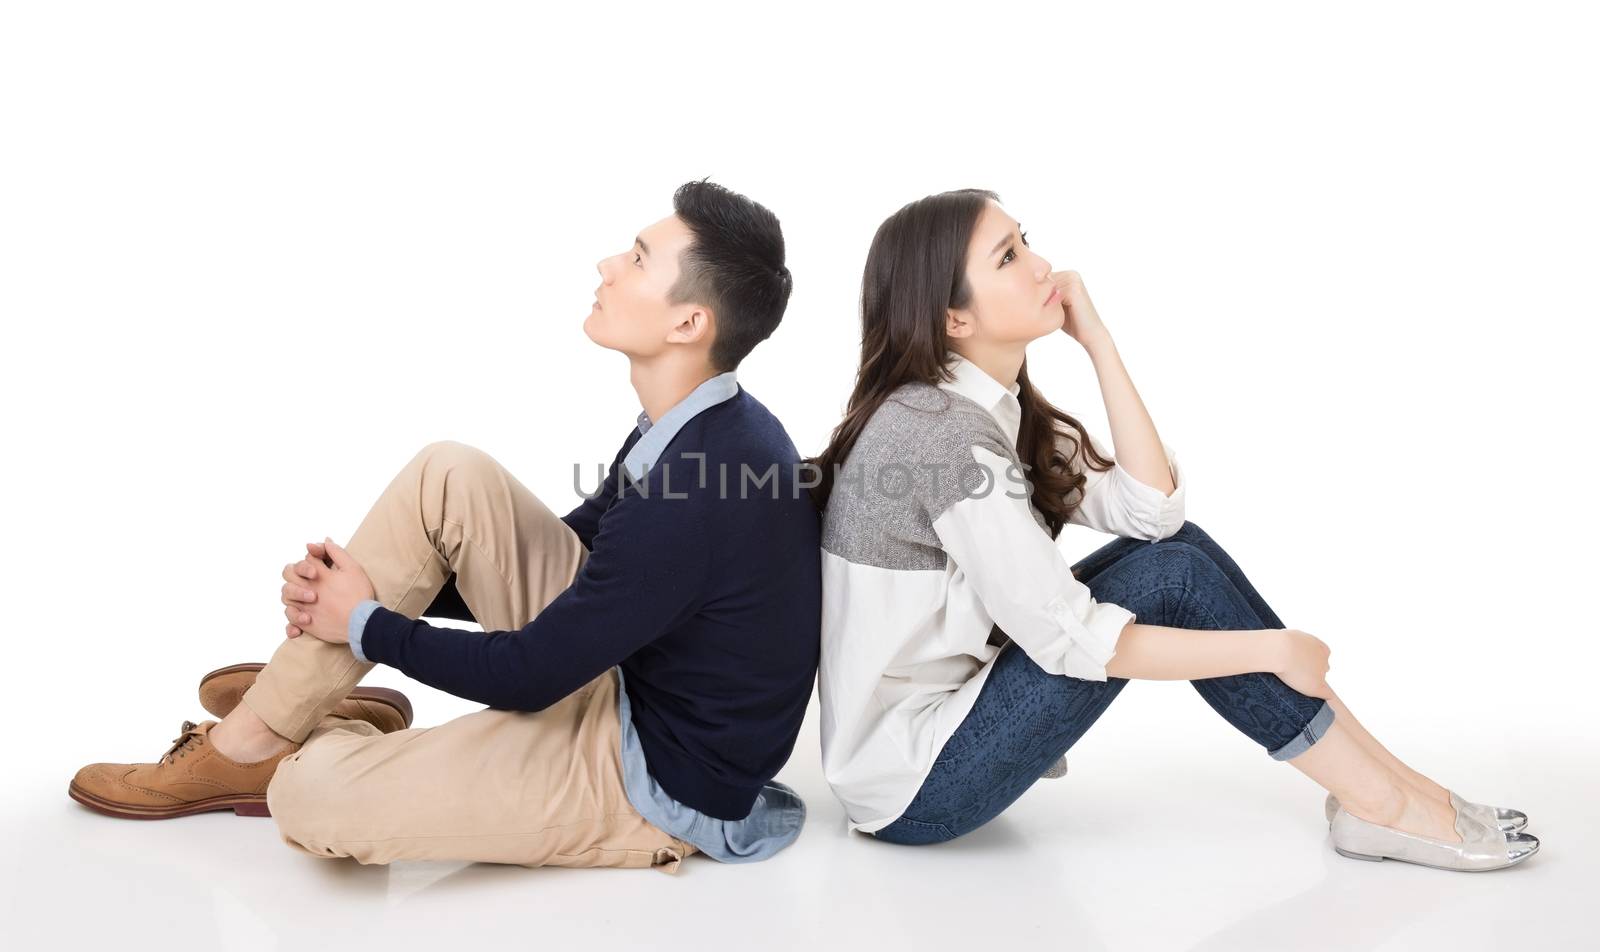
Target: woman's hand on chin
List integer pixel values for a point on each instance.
(1079, 319)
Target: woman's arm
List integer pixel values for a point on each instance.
(1133, 434)
(1114, 501)
(1158, 653)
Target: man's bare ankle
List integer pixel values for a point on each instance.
(246, 739)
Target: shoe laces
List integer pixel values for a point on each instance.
(181, 743)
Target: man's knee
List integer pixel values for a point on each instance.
(455, 457)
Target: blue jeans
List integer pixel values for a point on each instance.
(1025, 718)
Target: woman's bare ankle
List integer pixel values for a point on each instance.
(1406, 809)
(1384, 807)
(1428, 788)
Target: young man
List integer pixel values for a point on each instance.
(647, 658)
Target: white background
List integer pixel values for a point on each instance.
(253, 257)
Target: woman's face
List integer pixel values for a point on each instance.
(1013, 299)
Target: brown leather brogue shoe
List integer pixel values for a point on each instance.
(386, 709)
(191, 777)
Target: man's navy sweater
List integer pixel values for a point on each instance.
(703, 582)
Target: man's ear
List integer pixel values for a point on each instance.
(957, 323)
(692, 325)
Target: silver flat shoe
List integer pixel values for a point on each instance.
(1057, 769)
(1501, 818)
(1482, 846)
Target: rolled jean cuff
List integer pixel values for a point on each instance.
(1313, 731)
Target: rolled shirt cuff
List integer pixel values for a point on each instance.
(358, 624)
(1153, 514)
(1093, 642)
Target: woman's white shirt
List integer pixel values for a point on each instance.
(922, 589)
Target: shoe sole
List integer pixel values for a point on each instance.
(384, 696)
(240, 804)
(1415, 862)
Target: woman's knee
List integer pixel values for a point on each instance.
(1166, 580)
(1173, 561)
(1190, 532)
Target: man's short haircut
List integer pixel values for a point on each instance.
(734, 265)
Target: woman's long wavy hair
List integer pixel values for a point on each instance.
(916, 271)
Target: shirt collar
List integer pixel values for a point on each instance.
(656, 435)
(976, 385)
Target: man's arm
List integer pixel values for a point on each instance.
(585, 519)
(646, 574)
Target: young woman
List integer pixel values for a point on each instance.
(961, 656)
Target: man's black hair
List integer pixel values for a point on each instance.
(734, 265)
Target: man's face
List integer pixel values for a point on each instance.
(631, 313)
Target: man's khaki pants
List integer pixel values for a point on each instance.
(529, 788)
